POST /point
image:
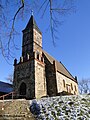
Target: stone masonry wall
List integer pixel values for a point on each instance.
(24, 73)
(40, 79)
(50, 78)
(69, 86)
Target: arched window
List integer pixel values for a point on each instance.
(23, 89)
(64, 83)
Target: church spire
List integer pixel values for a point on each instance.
(32, 24)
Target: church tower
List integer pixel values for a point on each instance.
(32, 39)
(29, 73)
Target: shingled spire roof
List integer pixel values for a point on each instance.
(32, 24)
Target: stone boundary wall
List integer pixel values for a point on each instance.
(64, 108)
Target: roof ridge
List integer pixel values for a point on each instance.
(61, 69)
(5, 83)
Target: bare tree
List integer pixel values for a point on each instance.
(10, 78)
(11, 11)
(84, 86)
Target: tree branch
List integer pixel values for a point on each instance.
(12, 29)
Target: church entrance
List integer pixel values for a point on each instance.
(23, 89)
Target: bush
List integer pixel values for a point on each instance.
(35, 108)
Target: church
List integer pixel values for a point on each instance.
(38, 74)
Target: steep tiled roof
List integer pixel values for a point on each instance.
(32, 24)
(5, 87)
(60, 67)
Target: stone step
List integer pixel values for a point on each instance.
(16, 117)
(15, 110)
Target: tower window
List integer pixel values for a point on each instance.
(42, 59)
(38, 56)
(64, 83)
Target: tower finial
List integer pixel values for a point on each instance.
(32, 12)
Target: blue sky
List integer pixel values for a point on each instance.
(72, 47)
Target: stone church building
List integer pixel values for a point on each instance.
(38, 74)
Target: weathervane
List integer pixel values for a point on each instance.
(31, 12)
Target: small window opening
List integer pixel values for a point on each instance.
(64, 83)
(75, 88)
(42, 59)
(71, 86)
(38, 56)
